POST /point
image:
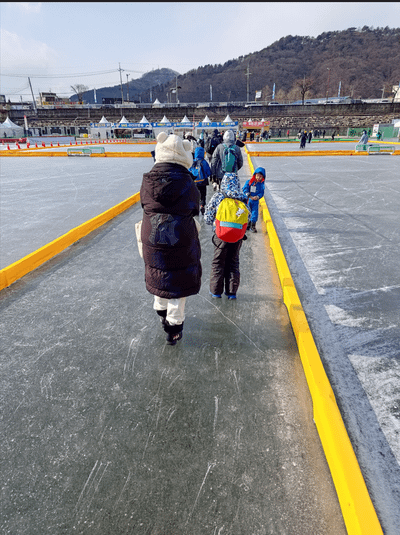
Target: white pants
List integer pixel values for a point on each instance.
(175, 309)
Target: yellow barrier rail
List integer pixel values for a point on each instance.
(358, 511)
(285, 153)
(43, 152)
(18, 269)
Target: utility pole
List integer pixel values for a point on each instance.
(33, 98)
(127, 88)
(248, 86)
(329, 77)
(120, 77)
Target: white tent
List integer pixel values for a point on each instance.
(206, 119)
(227, 119)
(143, 120)
(123, 120)
(185, 120)
(102, 129)
(157, 104)
(165, 120)
(10, 129)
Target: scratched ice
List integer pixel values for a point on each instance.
(342, 216)
(43, 198)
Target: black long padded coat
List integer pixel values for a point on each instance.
(171, 246)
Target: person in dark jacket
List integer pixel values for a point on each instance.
(171, 247)
(212, 143)
(303, 139)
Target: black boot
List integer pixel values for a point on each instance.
(163, 316)
(174, 333)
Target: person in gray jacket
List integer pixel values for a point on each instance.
(218, 158)
(364, 138)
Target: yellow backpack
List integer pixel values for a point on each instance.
(231, 220)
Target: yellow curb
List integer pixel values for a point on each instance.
(18, 269)
(260, 154)
(22, 152)
(357, 509)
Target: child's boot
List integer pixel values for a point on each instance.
(174, 332)
(163, 316)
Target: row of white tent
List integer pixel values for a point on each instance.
(104, 128)
(144, 122)
(8, 129)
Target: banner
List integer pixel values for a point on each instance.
(255, 124)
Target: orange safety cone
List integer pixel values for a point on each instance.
(8, 147)
(28, 145)
(36, 145)
(18, 147)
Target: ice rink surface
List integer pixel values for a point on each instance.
(43, 198)
(342, 214)
(339, 224)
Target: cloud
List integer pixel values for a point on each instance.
(27, 7)
(25, 56)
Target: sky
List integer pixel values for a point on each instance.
(60, 44)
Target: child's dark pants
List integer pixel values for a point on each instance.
(225, 267)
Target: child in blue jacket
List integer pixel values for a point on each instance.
(201, 173)
(254, 190)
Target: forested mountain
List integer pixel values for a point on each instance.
(363, 61)
(155, 78)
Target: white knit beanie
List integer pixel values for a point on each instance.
(171, 149)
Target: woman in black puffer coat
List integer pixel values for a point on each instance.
(171, 246)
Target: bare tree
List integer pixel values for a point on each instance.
(304, 85)
(281, 95)
(79, 89)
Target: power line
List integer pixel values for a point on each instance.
(73, 75)
(59, 75)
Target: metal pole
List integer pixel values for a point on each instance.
(329, 76)
(127, 88)
(120, 77)
(248, 87)
(33, 98)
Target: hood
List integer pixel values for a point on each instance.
(166, 183)
(199, 153)
(230, 186)
(229, 137)
(260, 170)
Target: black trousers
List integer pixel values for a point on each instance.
(203, 194)
(225, 267)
